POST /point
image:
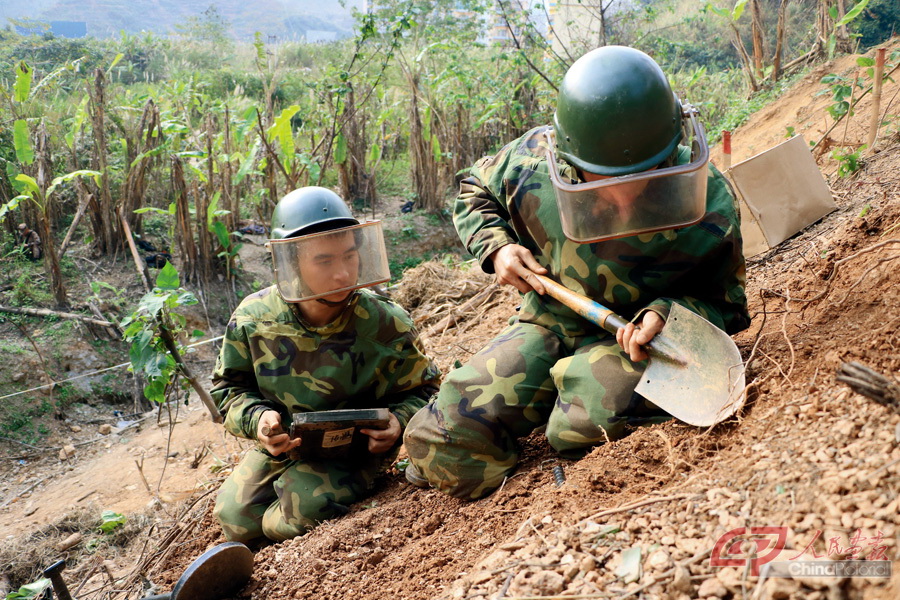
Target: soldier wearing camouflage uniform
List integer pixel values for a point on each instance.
(551, 366)
(285, 353)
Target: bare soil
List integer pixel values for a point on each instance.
(807, 453)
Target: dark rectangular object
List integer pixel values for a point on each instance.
(334, 434)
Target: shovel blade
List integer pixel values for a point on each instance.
(697, 374)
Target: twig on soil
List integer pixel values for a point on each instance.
(790, 345)
(837, 265)
(778, 365)
(505, 587)
(140, 468)
(633, 505)
(864, 275)
(31, 487)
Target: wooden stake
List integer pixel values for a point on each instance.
(166, 335)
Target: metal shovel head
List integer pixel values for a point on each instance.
(695, 372)
(218, 573)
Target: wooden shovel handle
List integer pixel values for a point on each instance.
(584, 306)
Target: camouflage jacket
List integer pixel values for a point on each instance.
(369, 357)
(508, 198)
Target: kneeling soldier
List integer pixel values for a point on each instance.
(314, 341)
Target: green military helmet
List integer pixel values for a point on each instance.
(616, 113)
(309, 210)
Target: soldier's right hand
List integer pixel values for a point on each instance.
(513, 263)
(270, 434)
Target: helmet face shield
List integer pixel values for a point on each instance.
(654, 200)
(330, 264)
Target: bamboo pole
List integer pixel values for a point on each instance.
(45, 312)
(875, 118)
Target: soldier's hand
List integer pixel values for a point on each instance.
(382, 440)
(632, 338)
(271, 435)
(513, 263)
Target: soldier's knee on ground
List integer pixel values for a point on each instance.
(236, 524)
(458, 461)
(281, 523)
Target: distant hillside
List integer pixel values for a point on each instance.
(105, 18)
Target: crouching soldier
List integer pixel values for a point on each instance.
(316, 340)
(31, 242)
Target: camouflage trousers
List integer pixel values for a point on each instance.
(278, 499)
(464, 440)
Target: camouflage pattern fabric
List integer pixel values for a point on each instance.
(281, 499)
(551, 365)
(369, 357)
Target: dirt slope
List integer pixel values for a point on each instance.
(807, 454)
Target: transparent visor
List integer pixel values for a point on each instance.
(613, 207)
(330, 264)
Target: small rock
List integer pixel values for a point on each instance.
(376, 557)
(712, 588)
(659, 560)
(66, 452)
(105, 429)
(730, 578)
(779, 588)
(682, 580)
(18, 376)
(75, 428)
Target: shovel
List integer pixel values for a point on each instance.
(218, 573)
(695, 372)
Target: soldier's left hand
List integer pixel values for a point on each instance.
(632, 338)
(382, 440)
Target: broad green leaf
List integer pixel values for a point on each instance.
(260, 47)
(865, 61)
(375, 151)
(115, 61)
(30, 184)
(23, 81)
(852, 13)
(247, 164)
(281, 131)
(141, 350)
(211, 209)
(30, 591)
(719, 11)
(221, 234)
(340, 149)
(155, 391)
(109, 520)
(738, 10)
(57, 181)
(22, 142)
(436, 148)
(167, 278)
(11, 206)
(152, 303)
